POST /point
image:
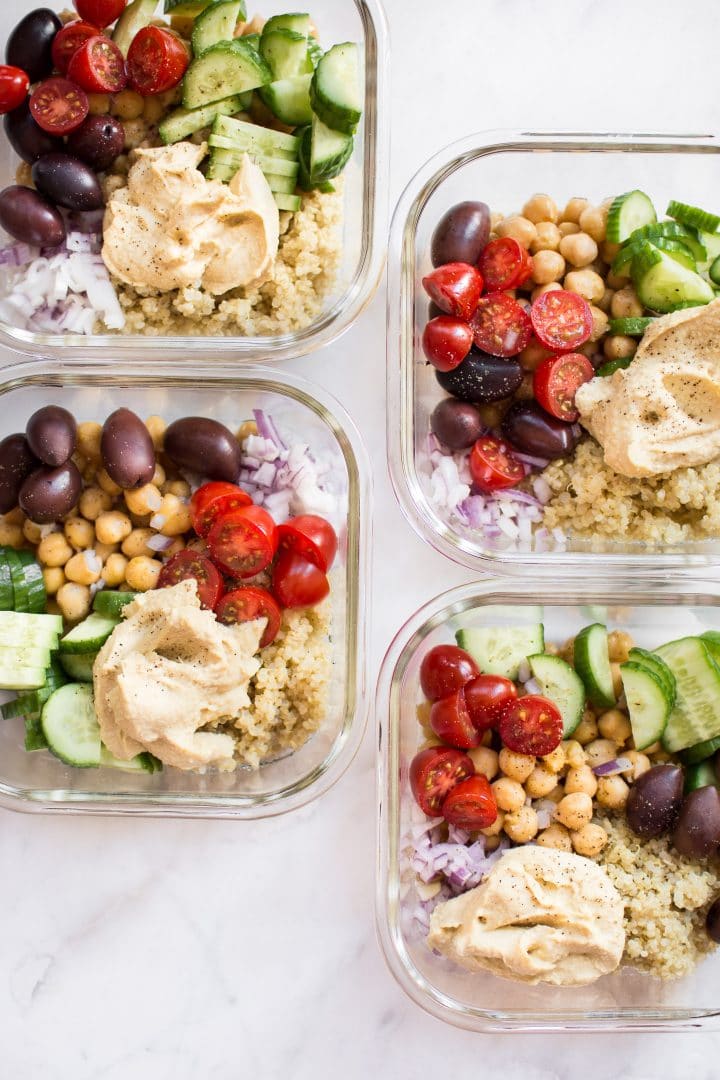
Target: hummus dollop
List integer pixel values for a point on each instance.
(170, 228)
(662, 412)
(168, 669)
(541, 915)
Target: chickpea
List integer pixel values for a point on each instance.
(485, 761)
(144, 500)
(616, 679)
(113, 573)
(519, 228)
(516, 766)
(625, 304)
(599, 751)
(104, 551)
(142, 573)
(548, 266)
(107, 484)
(614, 725)
(53, 578)
(178, 518)
(619, 645)
(93, 502)
(582, 779)
(113, 527)
(615, 281)
(522, 826)
(568, 228)
(179, 544)
(589, 841)
(497, 826)
(540, 289)
(593, 221)
(156, 427)
(612, 792)
(555, 836)
(11, 535)
(159, 476)
(74, 601)
(533, 355)
(180, 488)
(140, 521)
(54, 550)
(31, 531)
(495, 218)
(136, 544)
(247, 428)
(605, 300)
(547, 237)
(579, 249)
(574, 209)
(153, 111)
(608, 252)
(509, 795)
(587, 729)
(80, 533)
(575, 810)
(99, 104)
(540, 208)
(540, 782)
(23, 175)
(619, 347)
(556, 760)
(640, 763)
(127, 105)
(600, 323)
(574, 754)
(83, 569)
(14, 517)
(586, 283)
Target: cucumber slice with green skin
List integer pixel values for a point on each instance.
(284, 51)
(561, 684)
(39, 637)
(79, 666)
(24, 656)
(244, 136)
(298, 22)
(137, 15)
(21, 678)
(229, 155)
(314, 54)
(658, 667)
(606, 370)
(216, 23)
(111, 603)
(693, 216)
(23, 622)
(714, 271)
(289, 100)
(592, 663)
(677, 249)
(183, 122)
(292, 203)
(696, 716)
(649, 704)
(89, 635)
(33, 701)
(330, 152)
(700, 775)
(662, 284)
(335, 91)
(190, 8)
(629, 212)
(33, 582)
(70, 726)
(7, 593)
(701, 752)
(500, 650)
(281, 185)
(34, 735)
(632, 327)
(712, 641)
(223, 70)
(145, 762)
(17, 576)
(672, 230)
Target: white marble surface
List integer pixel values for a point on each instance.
(172, 950)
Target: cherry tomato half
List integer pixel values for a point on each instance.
(214, 499)
(239, 543)
(433, 775)
(557, 379)
(493, 465)
(14, 85)
(450, 720)
(59, 106)
(471, 804)
(486, 698)
(189, 565)
(98, 66)
(455, 288)
(310, 536)
(504, 264)
(446, 341)
(531, 725)
(249, 603)
(297, 582)
(100, 12)
(157, 60)
(500, 325)
(68, 40)
(445, 669)
(562, 320)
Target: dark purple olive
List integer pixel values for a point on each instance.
(48, 494)
(27, 138)
(28, 217)
(456, 424)
(461, 234)
(68, 182)
(127, 450)
(30, 44)
(482, 378)
(654, 801)
(16, 463)
(98, 141)
(712, 921)
(533, 431)
(205, 447)
(697, 830)
(52, 435)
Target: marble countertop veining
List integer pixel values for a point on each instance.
(190, 950)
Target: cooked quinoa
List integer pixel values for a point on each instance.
(666, 899)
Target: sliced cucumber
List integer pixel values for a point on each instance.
(245, 136)
(24, 622)
(314, 54)
(223, 70)
(714, 271)
(70, 726)
(289, 100)
(89, 635)
(711, 243)
(712, 640)
(144, 762)
(190, 8)
(298, 22)
(330, 152)
(700, 752)
(34, 736)
(592, 663)
(336, 93)
(79, 666)
(21, 678)
(675, 232)
(24, 656)
(38, 637)
(137, 15)
(693, 216)
(111, 603)
(627, 213)
(658, 667)
(500, 650)
(228, 155)
(7, 593)
(284, 51)
(649, 704)
(33, 701)
(216, 23)
(633, 327)
(662, 284)
(700, 775)
(292, 203)
(20, 600)
(183, 122)
(33, 583)
(696, 716)
(560, 683)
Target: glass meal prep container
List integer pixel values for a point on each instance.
(365, 210)
(653, 611)
(38, 781)
(503, 169)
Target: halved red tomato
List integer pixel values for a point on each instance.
(239, 542)
(190, 565)
(504, 264)
(493, 465)
(100, 12)
(557, 379)
(433, 775)
(98, 66)
(157, 60)
(14, 85)
(310, 536)
(297, 582)
(455, 288)
(562, 320)
(471, 804)
(446, 341)
(450, 720)
(500, 325)
(214, 499)
(486, 698)
(531, 725)
(445, 669)
(249, 603)
(68, 40)
(59, 106)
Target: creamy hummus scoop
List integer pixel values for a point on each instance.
(170, 228)
(541, 916)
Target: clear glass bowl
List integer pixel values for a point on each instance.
(504, 169)
(38, 781)
(365, 212)
(652, 611)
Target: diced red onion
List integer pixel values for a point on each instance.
(524, 672)
(533, 686)
(159, 542)
(611, 768)
(266, 427)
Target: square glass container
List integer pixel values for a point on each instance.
(652, 611)
(503, 169)
(365, 211)
(38, 781)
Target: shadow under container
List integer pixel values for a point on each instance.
(652, 612)
(364, 230)
(503, 169)
(40, 782)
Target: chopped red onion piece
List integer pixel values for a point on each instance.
(611, 768)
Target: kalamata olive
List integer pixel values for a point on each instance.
(712, 921)
(16, 463)
(482, 378)
(654, 801)
(48, 494)
(697, 830)
(127, 450)
(52, 435)
(30, 43)
(205, 447)
(28, 217)
(98, 141)
(455, 423)
(26, 137)
(68, 182)
(533, 431)
(461, 234)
